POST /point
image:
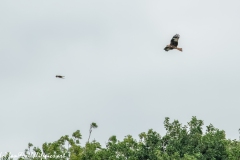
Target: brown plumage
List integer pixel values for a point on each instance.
(173, 44)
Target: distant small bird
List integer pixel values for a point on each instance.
(58, 76)
(173, 44)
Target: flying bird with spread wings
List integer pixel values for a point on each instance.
(173, 44)
(59, 76)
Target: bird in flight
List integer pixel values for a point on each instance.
(59, 76)
(173, 44)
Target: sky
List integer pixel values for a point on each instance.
(116, 71)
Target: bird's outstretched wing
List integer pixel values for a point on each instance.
(59, 76)
(174, 40)
(167, 48)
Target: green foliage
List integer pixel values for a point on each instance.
(188, 142)
(92, 125)
(6, 157)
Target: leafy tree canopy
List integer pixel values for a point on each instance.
(181, 142)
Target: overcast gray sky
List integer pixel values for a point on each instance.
(117, 73)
